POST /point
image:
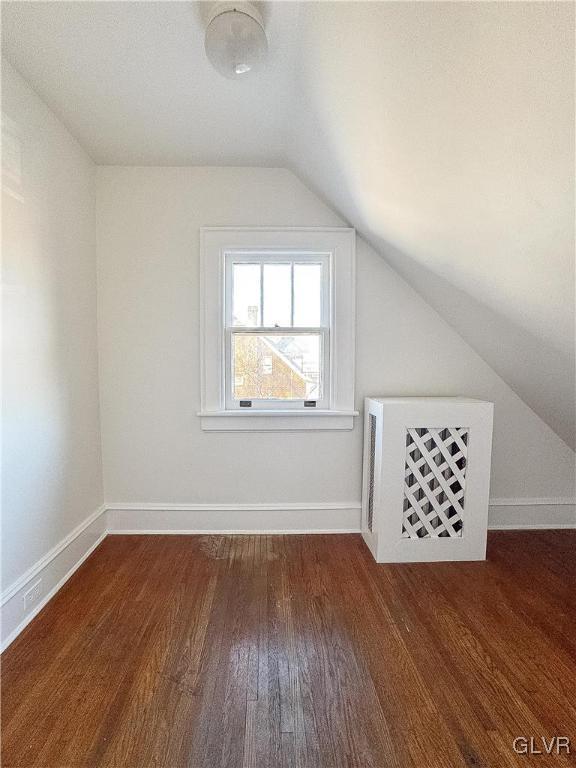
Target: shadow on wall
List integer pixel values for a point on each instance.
(455, 168)
(507, 348)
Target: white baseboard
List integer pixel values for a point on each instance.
(234, 518)
(336, 517)
(531, 514)
(54, 569)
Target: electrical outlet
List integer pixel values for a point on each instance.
(33, 595)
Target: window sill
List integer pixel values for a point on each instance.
(276, 421)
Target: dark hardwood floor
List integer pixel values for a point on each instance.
(277, 651)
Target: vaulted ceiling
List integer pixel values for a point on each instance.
(444, 132)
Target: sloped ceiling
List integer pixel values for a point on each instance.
(444, 132)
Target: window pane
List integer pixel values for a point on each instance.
(246, 308)
(276, 367)
(307, 295)
(277, 295)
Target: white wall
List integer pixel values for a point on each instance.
(153, 448)
(51, 473)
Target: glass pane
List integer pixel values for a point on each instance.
(276, 367)
(277, 295)
(307, 295)
(246, 308)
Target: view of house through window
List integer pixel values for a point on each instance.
(278, 367)
(277, 328)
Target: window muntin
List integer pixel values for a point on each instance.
(277, 329)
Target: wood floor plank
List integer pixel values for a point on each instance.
(409, 706)
(296, 652)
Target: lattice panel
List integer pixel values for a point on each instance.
(435, 482)
(371, 469)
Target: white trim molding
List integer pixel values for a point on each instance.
(53, 569)
(335, 517)
(58, 565)
(531, 514)
(277, 421)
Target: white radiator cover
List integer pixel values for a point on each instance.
(426, 478)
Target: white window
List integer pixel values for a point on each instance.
(278, 329)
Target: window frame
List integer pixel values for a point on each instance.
(277, 256)
(336, 411)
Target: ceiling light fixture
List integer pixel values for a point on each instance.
(235, 40)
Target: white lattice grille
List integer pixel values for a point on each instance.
(435, 478)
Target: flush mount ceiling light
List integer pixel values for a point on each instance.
(235, 41)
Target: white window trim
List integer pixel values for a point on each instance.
(215, 242)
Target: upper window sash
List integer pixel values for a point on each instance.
(291, 258)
